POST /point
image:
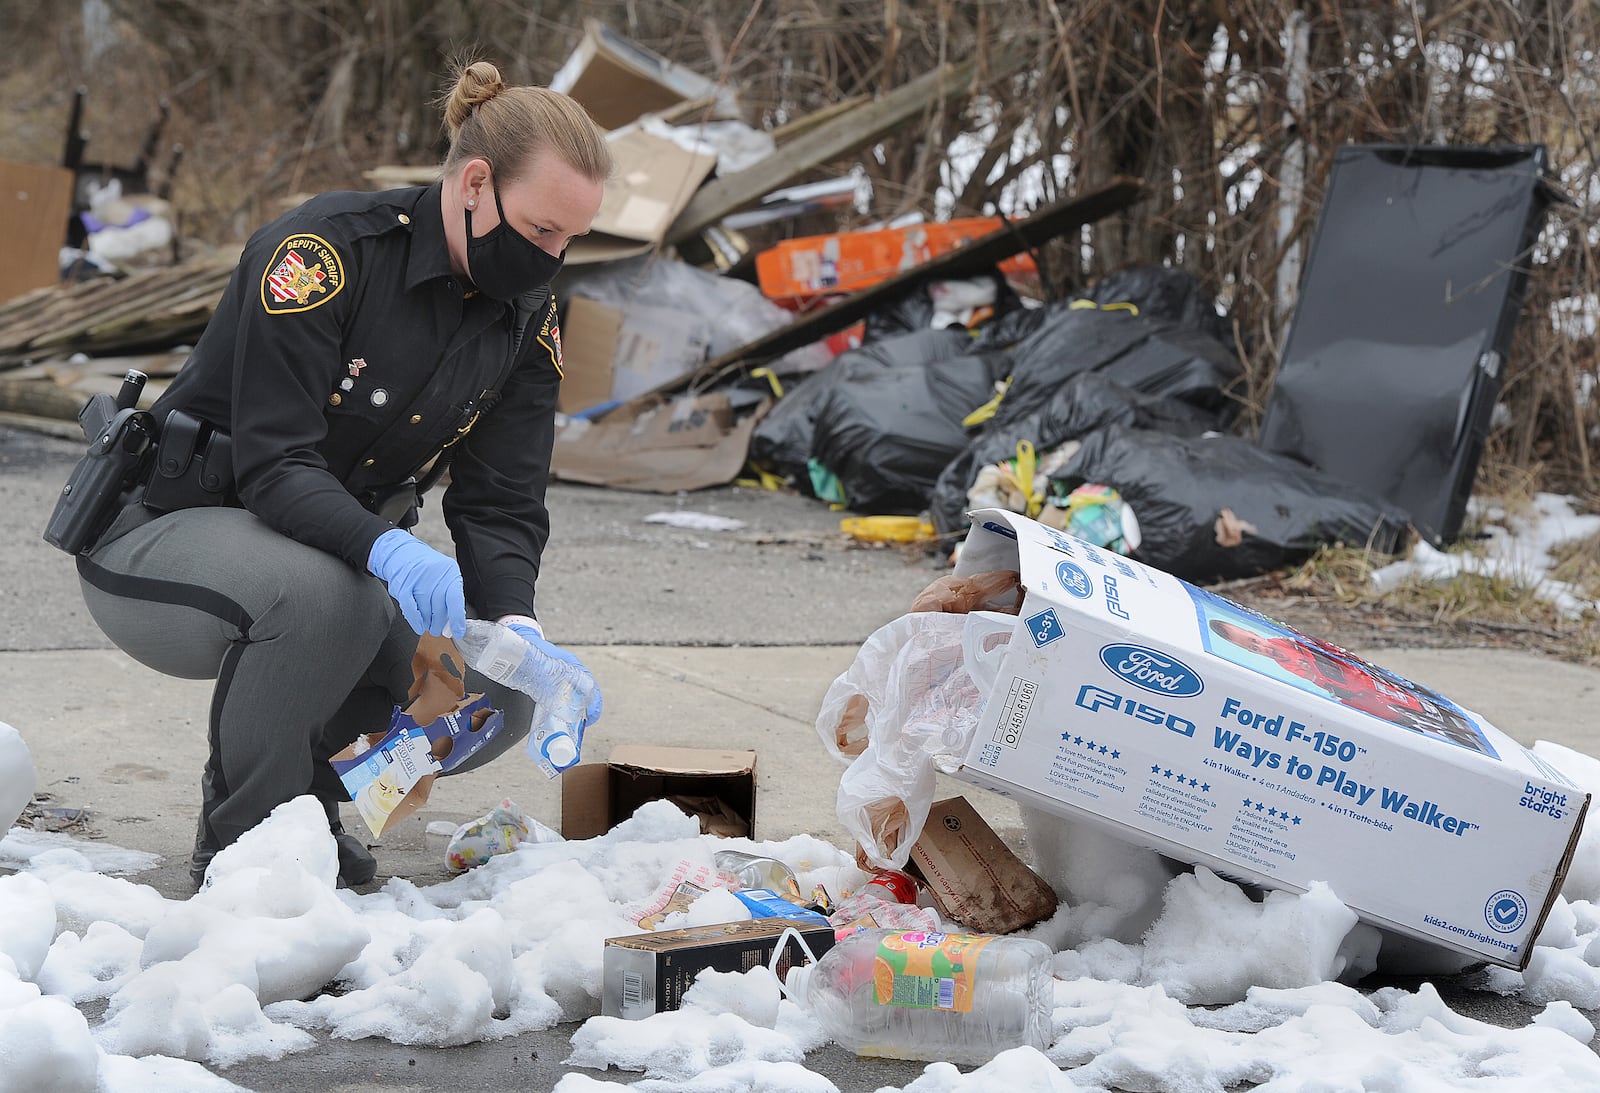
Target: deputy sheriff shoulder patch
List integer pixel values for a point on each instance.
(303, 273)
(550, 338)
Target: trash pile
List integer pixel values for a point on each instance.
(714, 331)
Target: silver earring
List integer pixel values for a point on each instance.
(472, 204)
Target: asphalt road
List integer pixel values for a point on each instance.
(788, 577)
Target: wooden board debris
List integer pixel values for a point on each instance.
(149, 308)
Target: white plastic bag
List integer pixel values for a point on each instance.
(906, 708)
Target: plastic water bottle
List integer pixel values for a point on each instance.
(560, 692)
(960, 998)
(756, 871)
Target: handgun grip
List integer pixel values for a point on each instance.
(96, 416)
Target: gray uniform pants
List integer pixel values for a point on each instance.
(308, 653)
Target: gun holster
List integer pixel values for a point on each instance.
(193, 466)
(120, 445)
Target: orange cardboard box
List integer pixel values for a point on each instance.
(798, 270)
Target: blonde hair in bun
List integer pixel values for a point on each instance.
(511, 126)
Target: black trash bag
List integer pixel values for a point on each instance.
(1007, 329)
(887, 436)
(1220, 508)
(1161, 293)
(1154, 355)
(781, 443)
(1086, 402)
(912, 310)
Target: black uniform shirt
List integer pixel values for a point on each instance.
(345, 354)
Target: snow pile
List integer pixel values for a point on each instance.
(1165, 979)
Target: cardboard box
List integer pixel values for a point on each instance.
(589, 333)
(611, 355)
(795, 272)
(35, 203)
(719, 786)
(1192, 725)
(616, 79)
(390, 777)
(648, 973)
(975, 878)
(654, 177)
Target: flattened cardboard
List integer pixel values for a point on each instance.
(389, 775)
(642, 974)
(659, 446)
(654, 179)
(613, 354)
(595, 797)
(35, 201)
(589, 333)
(1184, 722)
(975, 878)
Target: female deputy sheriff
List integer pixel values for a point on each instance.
(362, 335)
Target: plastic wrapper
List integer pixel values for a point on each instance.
(908, 705)
(504, 828)
(999, 590)
(1086, 402)
(1219, 508)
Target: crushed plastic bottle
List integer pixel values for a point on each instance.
(560, 692)
(960, 998)
(756, 871)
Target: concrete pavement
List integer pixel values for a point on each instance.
(701, 639)
(112, 736)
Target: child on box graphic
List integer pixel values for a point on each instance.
(1324, 668)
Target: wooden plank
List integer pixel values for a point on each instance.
(844, 134)
(791, 130)
(976, 257)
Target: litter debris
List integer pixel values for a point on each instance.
(1219, 508)
(1220, 738)
(499, 831)
(796, 272)
(695, 521)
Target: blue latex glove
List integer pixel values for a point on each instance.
(425, 583)
(528, 634)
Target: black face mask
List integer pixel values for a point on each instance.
(503, 264)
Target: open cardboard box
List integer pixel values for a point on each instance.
(1184, 722)
(653, 180)
(389, 775)
(717, 786)
(616, 79)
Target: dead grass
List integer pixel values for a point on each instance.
(1332, 595)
